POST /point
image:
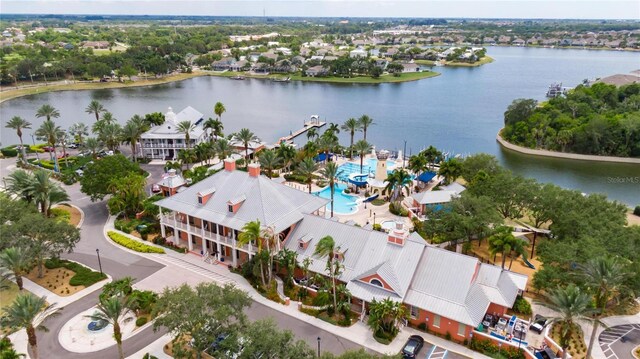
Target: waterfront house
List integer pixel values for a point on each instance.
(95, 44)
(489, 40)
(518, 42)
(316, 71)
(504, 39)
(358, 53)
(164, 141)
(410, 67)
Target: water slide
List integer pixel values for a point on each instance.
(528, 264)
(358, 179)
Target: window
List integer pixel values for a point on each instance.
(199, 199)
(461, 329)
(415, 312)
(376, 282)
(436, 321)
(230, 208)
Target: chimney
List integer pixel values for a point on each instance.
(254, 170)
(229, 164)
(398, 235)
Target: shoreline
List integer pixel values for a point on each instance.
(564, 155)
(484, 61)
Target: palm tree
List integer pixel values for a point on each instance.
(385, 315)
(93, 145)
(362, 147)
(252, 232)
(219, 109)
(187, 156)
(418, 164)
(111, 135)
(114, 310)
(28, 312)
(327, 143)
(215, 126)
(96, 108)
(17, 261)
(245, 136)
(605, 277)
(312, 133)
(223, 149)
(99, 125)
(51, 133)
(518, 249)
(78, 131)
(326, 247)
(131, 132)
(186, 127)
(286, 154)
(397, 181)
(501, 242)
(351, 125)
(450, 169)
(19, 183)
(365, 122)
(48, 112)
(269, 161)
(18, 123)
(46, 192)
(330, 172)
(572, 306)
(172, 166)
(307, 169)
(332, 130)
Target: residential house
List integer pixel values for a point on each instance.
(164, 141)
(489, 40)
(382, 63)
(374, 52)
(504, 39)
(358, 53)
(410, 67)
(95, 44)
(317, 71)
(518, 42)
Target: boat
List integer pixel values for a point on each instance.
(438, 63)
(285, 79)
(555, 90)
(237, 77)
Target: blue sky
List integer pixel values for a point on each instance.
(589, 9)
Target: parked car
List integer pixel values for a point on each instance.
(412, 347)
(72, 145)
(539, 322)
(47, 149)
(155, 188)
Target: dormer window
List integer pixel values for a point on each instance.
(231, 208)
(235, 203)
(199, 199)
(376, 282)
(304, 241)
(204, 196)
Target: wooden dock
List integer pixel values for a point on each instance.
(313, 123)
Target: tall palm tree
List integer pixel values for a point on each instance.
(365, 123)
(46, 192)
(573, 307)
(312, 133)
(330, 172)
(51, 133)
(326, 247)
(223, 149)
(307, 169)
(93, 145)
(79, 131)
(362, 147)
(187, 156)
(385, 315)
(17, 261)
(131, 132)
(286, 154)
(219, 109)
(28, 312)
(19, 183)
(327, 143)
(352, 126)
(215, 128)
(48, 112)
(111, 135)
(252, 233)
(269, 160)
(114, 310)
(518, 249)
(450, 169)
(501, 242)
(417, 164)
(605, 277)
(245, 136)
(397, 181)
(186, 127)
(333, 129)
(18, 123)
(99, 125)
(96, 108)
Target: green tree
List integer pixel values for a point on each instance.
(312, 134)
(111, 136)
(95, 108)
(187, 156)
(263, 339)
(51, 133)
(99, 175)
(385, 316)
(475, 164)
(450, 169)
(215, 128)
(365, 122)
(519, 110)
(47, 111)
(286, 153)
(352, 126)
(203, 312)
(114, 310)
(132, 131)
(127, 195)
(223, 149)
(127, 71)
(252, 232)
(28, 312)
(39, 188)
(307, 169)
(397, 181)
(269, 160)
(501, 242)
(329, 173)
(154, 119)
(326, 247)
(94, 146)
(18, 123)
(185, 128)
(245, 137)
(17, 261)
(362, 147)
(418, 164)
(219, 109)
(79, 131)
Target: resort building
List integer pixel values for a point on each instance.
(164, 141)
(447, 291)
(435, 199)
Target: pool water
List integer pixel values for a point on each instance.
(342, 203)
(368, 167)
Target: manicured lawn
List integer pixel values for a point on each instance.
(67, 213)
(485, 60)
(8, 295)
(65, 278)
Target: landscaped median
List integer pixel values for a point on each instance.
(133, 244)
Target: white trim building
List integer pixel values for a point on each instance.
(164, 141)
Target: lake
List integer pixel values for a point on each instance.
(459, 111)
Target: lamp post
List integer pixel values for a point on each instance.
(374, 218)
(319, 346)
(99, 263)
(470, 338)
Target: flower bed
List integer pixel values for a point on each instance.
(133, 244)
(84, 276)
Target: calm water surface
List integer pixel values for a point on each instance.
(459, 111)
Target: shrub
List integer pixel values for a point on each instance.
(447, 336)
(383, 337)
(522, 306)
(377, 227)
(133, 244)
(141, 321)
(397, 209)
(636, 211)
(9, 152)
(60, 214)
(292, 177)
(83, 275)
(378, 202)
(422, 326)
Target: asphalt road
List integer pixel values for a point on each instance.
(119, 263)
(612, 345)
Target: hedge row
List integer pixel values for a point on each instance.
(133, 244)
(84, 276)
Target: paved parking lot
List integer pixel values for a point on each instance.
(430, 351)
(613, 347)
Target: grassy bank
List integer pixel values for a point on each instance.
(485, 60)
(404, 77)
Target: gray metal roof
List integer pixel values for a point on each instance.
(433, 197)
(168, 128)
(271, 203)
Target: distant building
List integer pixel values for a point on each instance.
(358, 53)
(316, 71)
(164, 141)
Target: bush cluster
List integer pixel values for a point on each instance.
(133, 244)
(397, 209)
(9, 151)
(60, 214)
(292, 177)
(636, 211)
(487, 347)
(522, 306)
(141, 321)
(83, 275)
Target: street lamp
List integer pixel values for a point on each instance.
(374, 218)
(99, 263)
(319, 346)
(470, 338)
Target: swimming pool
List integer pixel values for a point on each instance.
(342, 203)
(368, 167)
